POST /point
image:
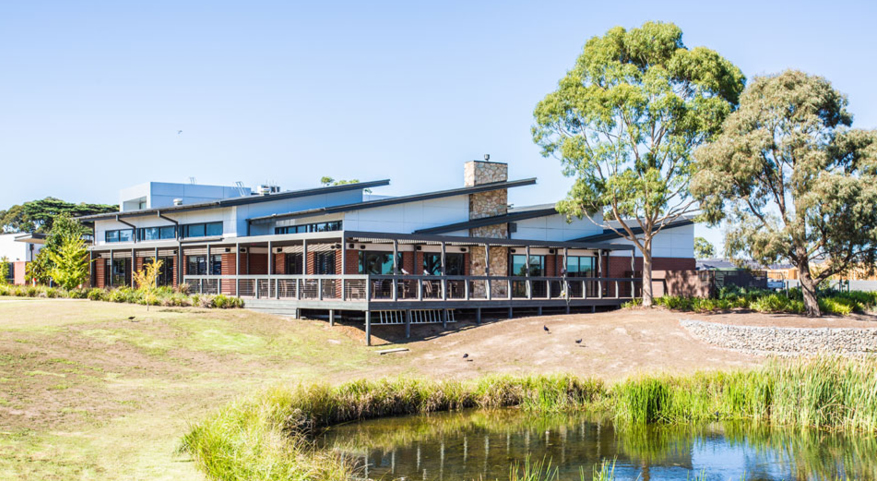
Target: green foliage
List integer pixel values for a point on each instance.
(838, 303)
(792, 180)
(161, 296)
(327, 181)
(268, 436)
(4, 270)
(70, 262)
(624, 121)
(40, 215)
(39, 268)
(703, 249)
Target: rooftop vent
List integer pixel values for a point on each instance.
(178, 201)
(268, 189)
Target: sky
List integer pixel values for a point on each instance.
(93, 94)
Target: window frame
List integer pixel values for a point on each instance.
(435, 259)
(363, 255)
(205, 229)
(117, 237)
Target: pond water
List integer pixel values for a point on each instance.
(482, 445)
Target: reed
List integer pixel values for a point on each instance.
(266, 437)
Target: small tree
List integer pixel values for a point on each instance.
(40, 268)
(328, 181)
(70, 262)
(793, 181)
(4, 270)
(703, 249)
(624, 122)
(146, 280)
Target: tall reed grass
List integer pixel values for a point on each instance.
(266, 437)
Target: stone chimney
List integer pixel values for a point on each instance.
(488, 204)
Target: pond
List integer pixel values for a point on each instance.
(482, 445)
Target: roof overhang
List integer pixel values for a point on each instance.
(487, 221)
(609, 234)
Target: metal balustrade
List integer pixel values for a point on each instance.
(390, 288)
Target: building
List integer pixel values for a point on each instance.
(391, 260)
(18, 249)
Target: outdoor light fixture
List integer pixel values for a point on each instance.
(227, 250)
(362, 247)
(350, 246)
(418, 248)
(551, 251)
(487, 157)
(462, 249)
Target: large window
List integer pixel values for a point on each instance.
(118, 272)
(432, 264)
(197, 266)
(324, 263)
(293, 264)
(208, 229)
(380, 263)
(580, 266)
(119, 235)
(305, 228)
(156, 233)
(165, 272)
(519, 265)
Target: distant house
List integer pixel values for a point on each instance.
(19, 249)
(412, 258)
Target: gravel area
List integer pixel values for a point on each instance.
(785, 340)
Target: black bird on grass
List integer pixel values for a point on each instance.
(545, 328)
(466, 356)
(130, 318)
(578, 341)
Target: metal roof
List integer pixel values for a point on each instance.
(512, 216)
(369, 204)
(609, 234)
(250, 199)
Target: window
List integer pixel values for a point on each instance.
(519, 265)
(293, 264)
(580, 266)
(454, 264)
(156, 233)
(208, 229)
(379, 263)
(197, 265)
(117, 271)
(165, 272)
(306, 228)
(10, 273)
(324, 263)
(120, 235)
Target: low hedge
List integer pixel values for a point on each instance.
(163, 296)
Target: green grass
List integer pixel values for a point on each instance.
(266, 437)
(837, 303)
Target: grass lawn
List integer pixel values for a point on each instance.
(87, 393)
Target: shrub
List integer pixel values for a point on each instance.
(97, 294)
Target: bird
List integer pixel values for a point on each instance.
(130, 318)
(466, 356)
(578, 341)
(179, 132)
(545, 328)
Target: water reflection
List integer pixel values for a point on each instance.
(482, 445)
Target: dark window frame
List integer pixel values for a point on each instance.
(328, 226)
(388, 263)
(163, 232)
(115, 235)
(205, 229)
(455, 263)
(533, 272)
(201, 266)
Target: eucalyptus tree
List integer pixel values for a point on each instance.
(793, 180)
(624, 123)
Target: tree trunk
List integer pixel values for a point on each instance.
(648, 296)
(808, 288)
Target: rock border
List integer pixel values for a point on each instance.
(785, 341)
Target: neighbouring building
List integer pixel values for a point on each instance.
(416, 258)
(18, 249)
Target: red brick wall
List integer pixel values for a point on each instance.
(258, 264)
(352, 261)
(18, 270)
(408, 263)
(100, 270)
(279, 263)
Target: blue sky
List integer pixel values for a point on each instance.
(92, 94)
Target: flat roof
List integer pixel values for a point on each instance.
(250, 199)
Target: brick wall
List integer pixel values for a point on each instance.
(352, 261)
(258, 264)
(280, 264)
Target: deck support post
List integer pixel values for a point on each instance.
(599, 274)
(478, 316)
(632, 273)
(368, 328)
(343, 267)
(593, 309)
(237, 269)
(511, 312)
(444, 273)
(109, 278)
(487, 270)
(133, 265)
(527, 266)
(444, 318)
(331, 317)
(567, 308)
(408, 324)
(539, 311)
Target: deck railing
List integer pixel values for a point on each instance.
(390, 288)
